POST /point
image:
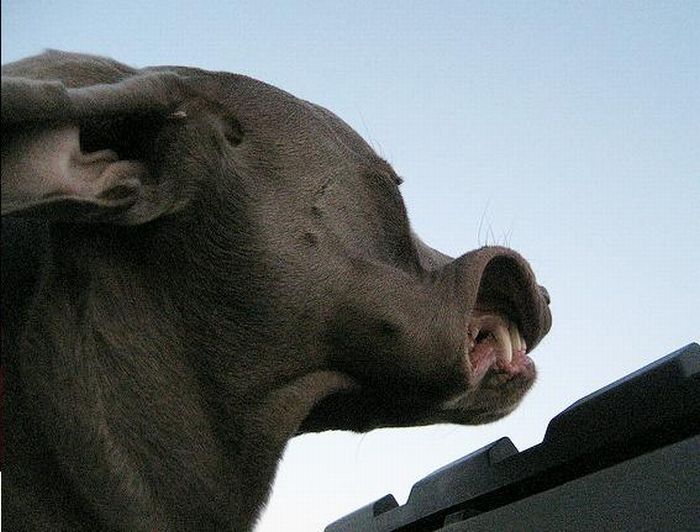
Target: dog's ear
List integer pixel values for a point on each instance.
(84, 154)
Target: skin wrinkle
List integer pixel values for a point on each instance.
(167, 339)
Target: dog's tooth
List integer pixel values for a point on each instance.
(515, 337)
(505, 347)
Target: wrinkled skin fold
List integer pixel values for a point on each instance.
(196, 267)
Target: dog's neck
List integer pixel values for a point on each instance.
(131, 422)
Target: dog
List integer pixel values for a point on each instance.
(198, 266)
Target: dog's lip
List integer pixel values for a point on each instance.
(507, 287)
(505, 319)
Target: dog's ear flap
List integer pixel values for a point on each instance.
(47, 173)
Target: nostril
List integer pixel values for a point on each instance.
(545, 294)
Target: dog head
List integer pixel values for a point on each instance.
(275, 244)
(284, 228)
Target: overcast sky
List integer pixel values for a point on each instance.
(572, 129)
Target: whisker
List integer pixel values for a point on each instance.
(481, 223)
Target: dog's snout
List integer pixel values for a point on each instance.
(545, 294)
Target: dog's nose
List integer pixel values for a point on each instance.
(545, 294)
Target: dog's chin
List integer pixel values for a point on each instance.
(498, 392)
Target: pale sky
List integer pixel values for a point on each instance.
(572, 129)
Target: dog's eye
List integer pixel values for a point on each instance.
(233, 132)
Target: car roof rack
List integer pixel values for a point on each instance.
(633, 442)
